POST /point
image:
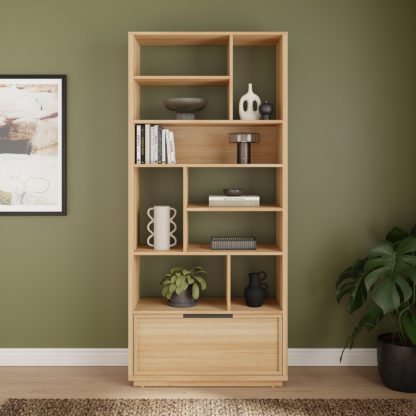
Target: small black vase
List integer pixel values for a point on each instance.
(256, 291)
(266, 110)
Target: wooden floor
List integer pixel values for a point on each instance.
(110, 382)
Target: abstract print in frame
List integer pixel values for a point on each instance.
(32, 145)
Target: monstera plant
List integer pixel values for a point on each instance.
(384, 284)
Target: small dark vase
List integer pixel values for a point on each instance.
(266, 110)
(256, 291)
(183, 300)
(396, 364)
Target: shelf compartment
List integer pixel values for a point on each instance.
(269, 307)
(154, 306)
(206, 208)
(241, 266)
(152, 269)
(261, 182)
(261, 225)
(209, 144)
(167, 192)
(180, 80)
(262, 250)
(151, 96)
(183, 60)
(255, 64)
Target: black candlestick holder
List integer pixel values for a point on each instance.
(244, 141)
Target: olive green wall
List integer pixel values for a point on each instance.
(352, 67)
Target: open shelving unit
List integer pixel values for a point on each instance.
(250, 347)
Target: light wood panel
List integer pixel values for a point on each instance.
(228, 346)
(111, 383)
(211, 165)
(152, 306)
(262, 249)
(199, 122)
(206, 208)
(205, 250)
(164, 80)
(210, 145)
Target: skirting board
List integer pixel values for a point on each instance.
(114, 357)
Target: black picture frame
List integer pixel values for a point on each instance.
(32, 98)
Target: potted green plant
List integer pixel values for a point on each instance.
(384, 284)
(182, 287)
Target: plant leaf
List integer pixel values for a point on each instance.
(409, 325)
(201, 281)
(342, 290)
(372, 277)
(408, 245)
(409, 259)
(370, 320)
(382, 248)
(352, 271)
(396, 234)
(405, 288)
(386, 296)
(195, 291)
(374, 263)
(407, 271)
(164, 291)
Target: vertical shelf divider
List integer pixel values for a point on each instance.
(282, 94)
(185, 195)
(230, 61)
(228, 282)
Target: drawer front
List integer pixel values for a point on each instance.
(239, 345)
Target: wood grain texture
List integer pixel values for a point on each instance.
(111, 383)
(203, 346)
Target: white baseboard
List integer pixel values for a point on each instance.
(118, 357)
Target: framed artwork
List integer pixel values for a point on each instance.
(32, 145)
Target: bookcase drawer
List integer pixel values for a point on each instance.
(209, 345)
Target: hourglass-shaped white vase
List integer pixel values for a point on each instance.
(252, 102)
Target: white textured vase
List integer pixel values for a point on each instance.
(161, 233)
(253, 102)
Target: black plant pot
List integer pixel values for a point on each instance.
(396, 364)
(183, 300)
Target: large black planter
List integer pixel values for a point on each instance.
(396, 364)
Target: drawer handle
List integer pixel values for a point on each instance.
(208, 315)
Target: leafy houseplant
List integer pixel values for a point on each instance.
(182, 287)
(384, 283)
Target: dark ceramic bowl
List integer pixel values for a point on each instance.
(185, 105)
(233, 191)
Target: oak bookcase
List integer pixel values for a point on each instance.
(250, 347)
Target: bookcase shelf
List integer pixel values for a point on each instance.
(156, 306)
(223, 326)
(179, 80)
(204, 250)
(206, 208)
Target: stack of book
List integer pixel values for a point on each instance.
(233, 243)
(154, 144)
(233, 201)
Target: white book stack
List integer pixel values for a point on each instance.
(154, 144)
(234, 201)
